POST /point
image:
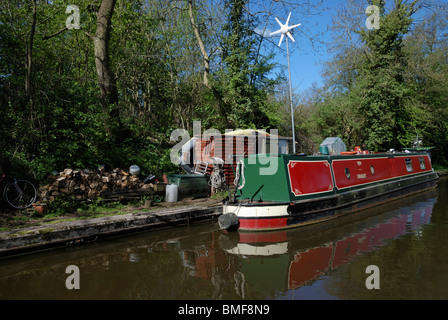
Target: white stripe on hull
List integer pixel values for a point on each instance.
(257, 211)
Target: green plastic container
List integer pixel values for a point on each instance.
(190, 185)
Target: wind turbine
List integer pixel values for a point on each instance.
(285, 30)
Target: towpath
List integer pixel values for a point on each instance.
(66, 233)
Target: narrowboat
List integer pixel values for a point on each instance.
(280, 191)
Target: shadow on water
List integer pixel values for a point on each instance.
(405, 239)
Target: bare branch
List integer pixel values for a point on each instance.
(54, 34)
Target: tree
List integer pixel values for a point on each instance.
(241, 85)
(381, 82)
(29, 56)
(197, 33)
(370, 71)
(106, 80)
(427, 74)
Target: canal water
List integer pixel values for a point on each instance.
(406, 241)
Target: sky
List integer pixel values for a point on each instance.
(306, 62)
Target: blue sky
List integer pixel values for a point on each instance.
(306, 61)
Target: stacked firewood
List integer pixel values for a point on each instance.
(90, 184)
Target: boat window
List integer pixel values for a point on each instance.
(409, 165)
(372, 169)
(347, 173)
(422, 163)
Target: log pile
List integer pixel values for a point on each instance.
(89, 184)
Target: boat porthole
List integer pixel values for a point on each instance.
(372, 169)
(347, 173)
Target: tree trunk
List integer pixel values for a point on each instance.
(205, 56)
(108, 88)
(29, 60)
(106, 80)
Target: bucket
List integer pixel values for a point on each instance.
(171, 193)
(134, 170)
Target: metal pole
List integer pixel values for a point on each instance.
(290, 100)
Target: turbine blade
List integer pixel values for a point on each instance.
(276, 32)
(289, 16)
(281, 25)
(290, 37)
(295, 26)
(281, 39)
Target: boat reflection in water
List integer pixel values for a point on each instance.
(203, 262)
(306, 254)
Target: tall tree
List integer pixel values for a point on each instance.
(197, 33)
(427, 74)
(106, 80)
(242, 84)
(29, 55)
(381, 83)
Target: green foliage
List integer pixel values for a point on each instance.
(242, 85)
(392, 88)
(389, 86)
(64, 204)
(381, 81)
(153, 54)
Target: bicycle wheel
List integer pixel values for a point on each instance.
(20, 194)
